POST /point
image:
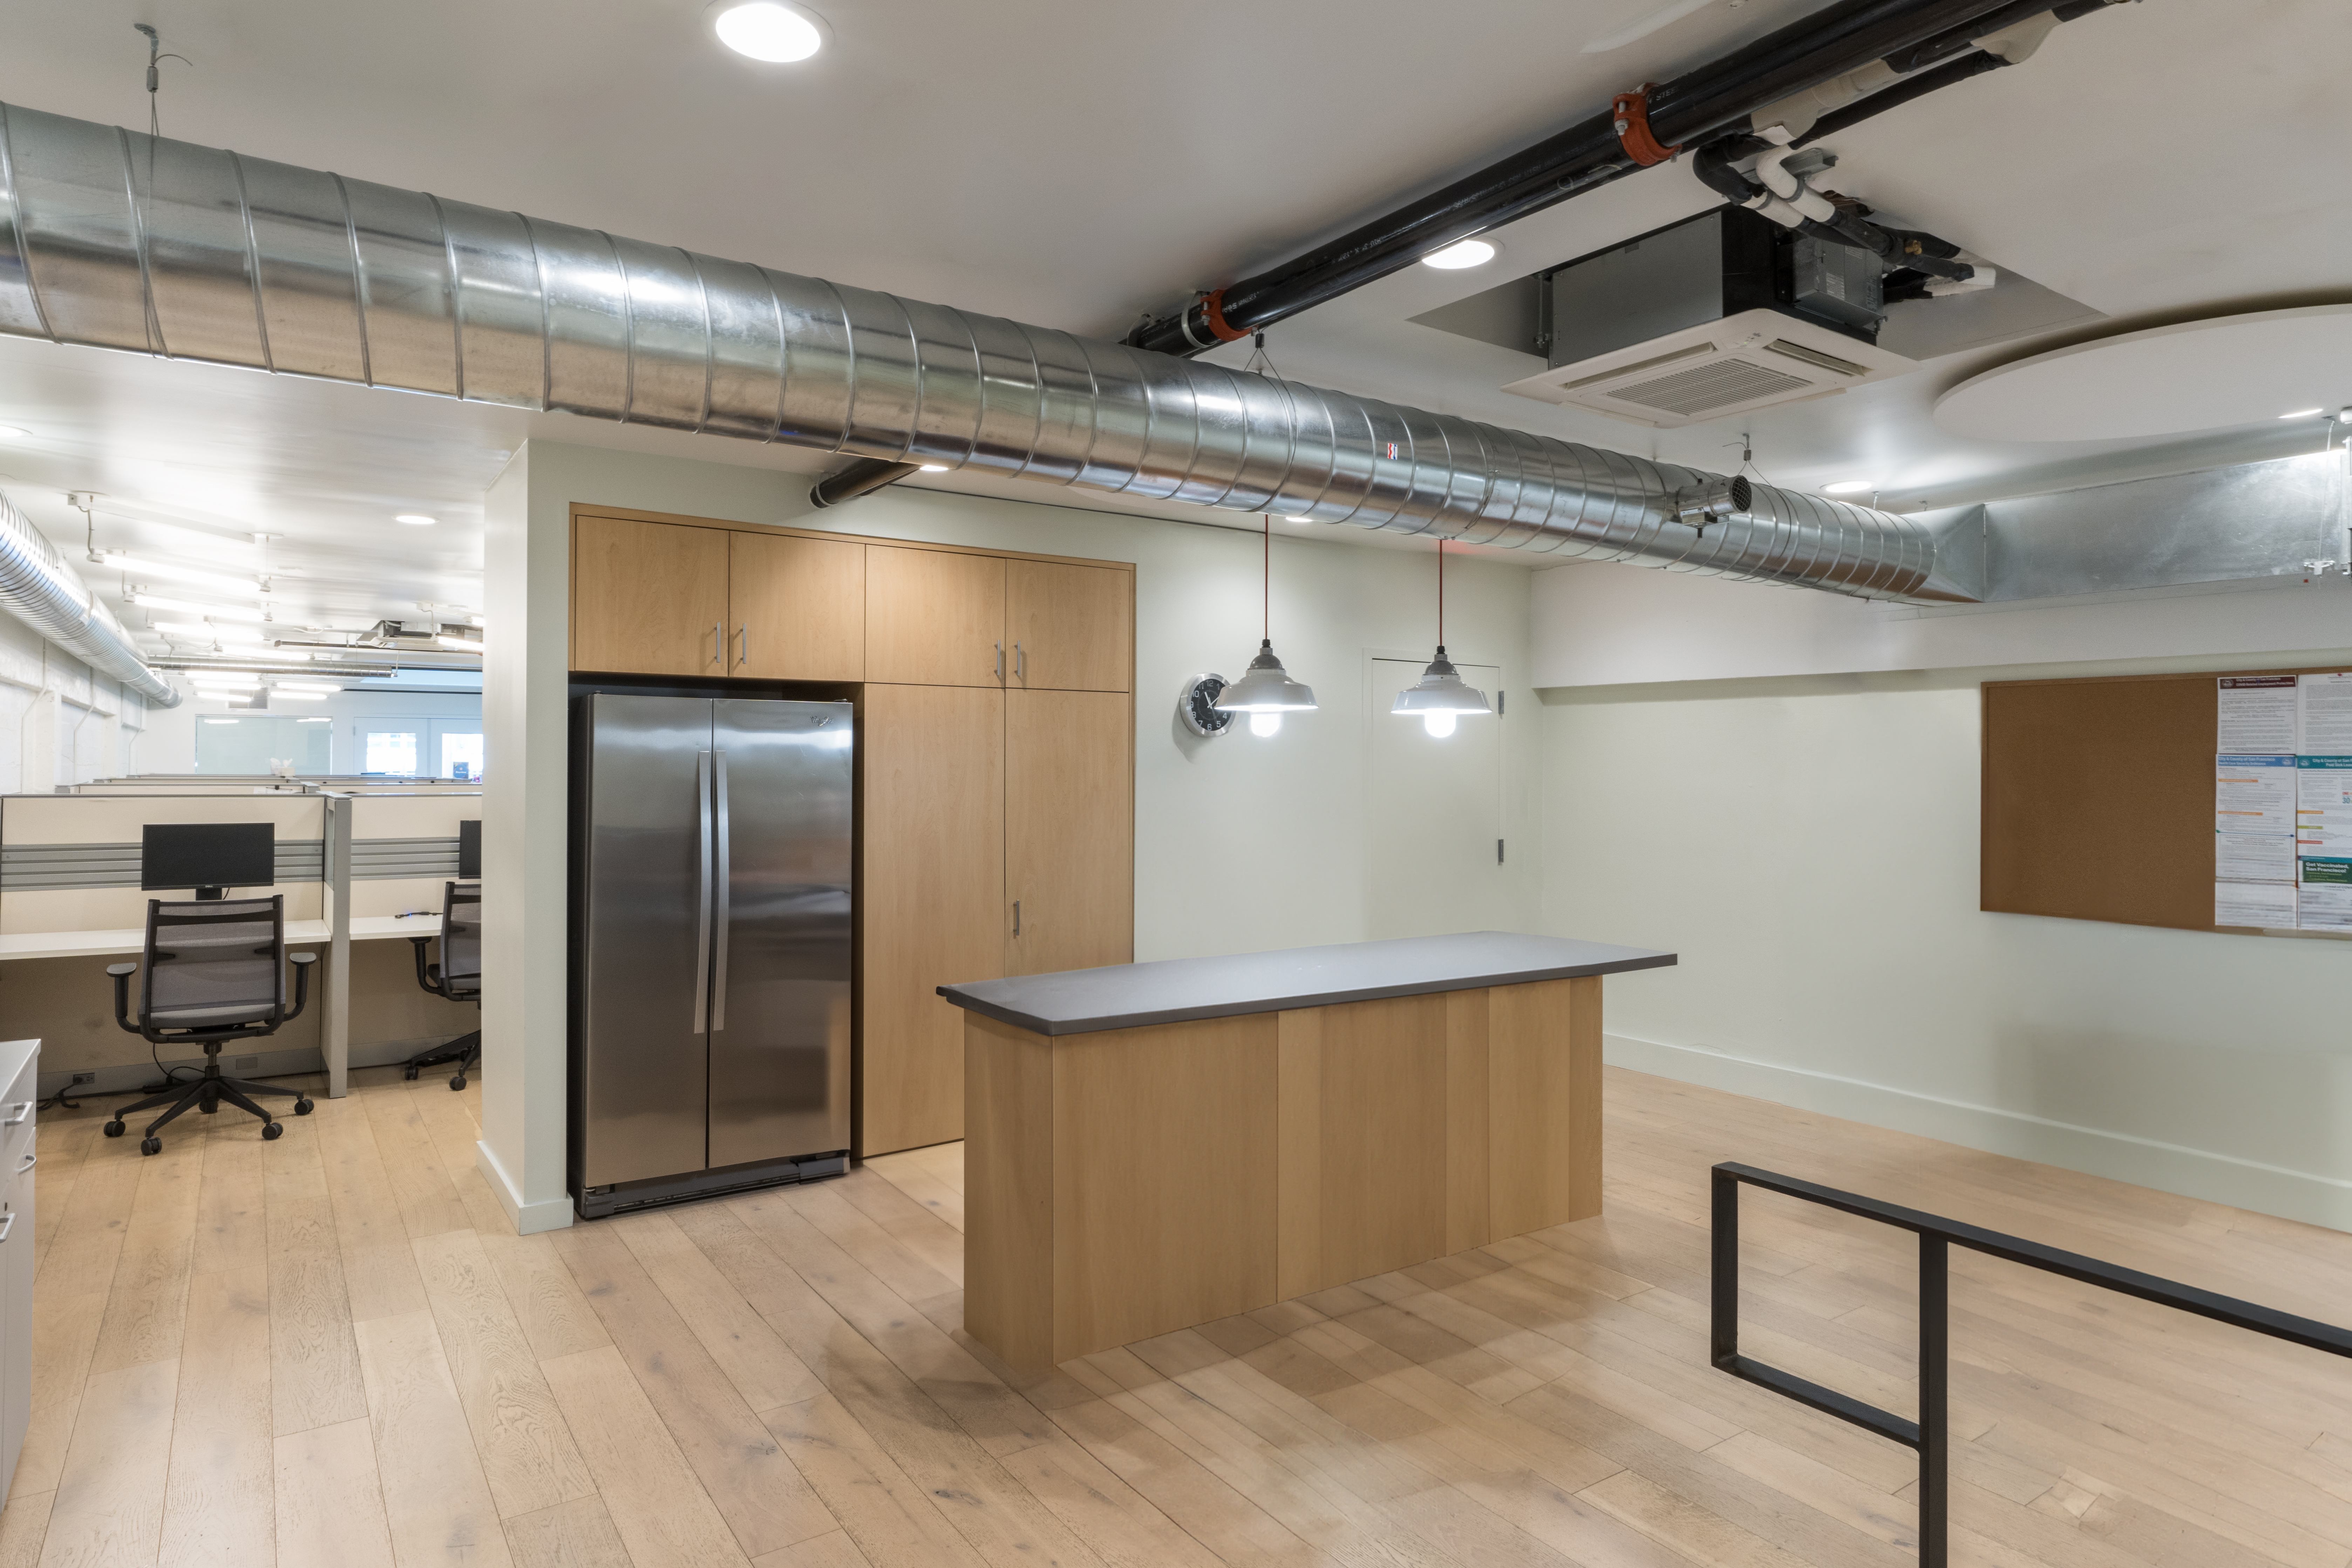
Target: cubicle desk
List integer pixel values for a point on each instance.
(1150, 1146)
(351, 867)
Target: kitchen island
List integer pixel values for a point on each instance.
(1148, 1146)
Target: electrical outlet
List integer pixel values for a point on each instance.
(82, 1078)
(244, 1063)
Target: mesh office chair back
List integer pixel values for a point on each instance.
(214, 965)
(461, 938)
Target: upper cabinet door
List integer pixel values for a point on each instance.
(1072, 628)
(799, 608)
(934, 618)
(648, 599)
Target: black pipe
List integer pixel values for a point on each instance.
(1841, 39)
(862, 475)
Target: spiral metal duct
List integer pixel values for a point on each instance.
(121, 240)
(39, 589)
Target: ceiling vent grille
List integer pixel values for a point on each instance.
(1694, 392)
(1749, 360)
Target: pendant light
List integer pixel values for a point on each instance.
(1441, 695)
(1266, 692)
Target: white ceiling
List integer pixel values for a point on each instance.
(1074, 163)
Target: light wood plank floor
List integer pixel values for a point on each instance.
(329, 1350)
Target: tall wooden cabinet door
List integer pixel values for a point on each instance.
(1072, 628)
(648, 599)
(933, 618)
(934, 893)
(1069, 830)
(799, 607)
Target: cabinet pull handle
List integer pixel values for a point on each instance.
(7, 1224)
(719, 642)
(744, 660)
(23, 1108)
(1000, 660)
(1016, 917)
(1020, 663)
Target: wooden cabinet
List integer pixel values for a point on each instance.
(1069, 830)
(797, 607)
(1069, 628)
(932, 900)
(934, 617)
(648, 599)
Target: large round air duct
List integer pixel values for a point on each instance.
(39, 589)
(116, 239)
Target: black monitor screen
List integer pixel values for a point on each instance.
(469, 849)
(173, 855)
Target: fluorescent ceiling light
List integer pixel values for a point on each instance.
(460, 644)
(15, 433)
(204, 632)
(1848, 487)
(1461, 254)
(764, 30)
(2302, 414)
(416, 519)
(213, 612)
(141, 565)
(209, 682)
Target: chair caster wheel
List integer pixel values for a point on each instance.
(409, 1073)
(112, 1129)
(458, 1082)
(272, 1130)
(302, 1106)
(151, 1145)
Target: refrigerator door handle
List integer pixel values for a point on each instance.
(721, 877)
(702, 894)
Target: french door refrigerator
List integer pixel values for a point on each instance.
(711, 1039)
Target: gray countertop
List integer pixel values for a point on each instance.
(1176, 990)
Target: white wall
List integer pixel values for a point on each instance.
(1241, 844)
(1808, 845)
(60, 723)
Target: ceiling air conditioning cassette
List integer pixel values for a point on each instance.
(1751, 359)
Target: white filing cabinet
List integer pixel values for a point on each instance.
(19, 1063)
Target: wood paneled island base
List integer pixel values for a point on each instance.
(1124, 1183)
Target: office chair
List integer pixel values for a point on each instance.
(458, 975)
(215, 973)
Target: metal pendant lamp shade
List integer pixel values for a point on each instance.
(1267, 688)
(1265, 691)
(1441, 695)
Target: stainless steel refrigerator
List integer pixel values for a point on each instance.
(711, 954)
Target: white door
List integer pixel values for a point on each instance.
(1434, 816)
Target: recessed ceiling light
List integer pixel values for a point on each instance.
(416, 519)
(1848, 487)
(2302, 414)
(765, 30)
(15, 433)
(1460, 254)
(934, 468)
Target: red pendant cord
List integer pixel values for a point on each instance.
(1441, 594)
(1267, 609)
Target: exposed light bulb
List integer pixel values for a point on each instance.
(1264, 724)
(764, 30)
(1437, 725)
(1460, 254)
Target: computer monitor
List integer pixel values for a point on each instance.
(469, 849)
(210, 856)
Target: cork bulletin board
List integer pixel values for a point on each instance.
(2098, 798)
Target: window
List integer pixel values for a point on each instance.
(388, 752)
(461, 753)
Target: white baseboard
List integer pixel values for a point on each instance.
(529, 1218)
(2119, 1156)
